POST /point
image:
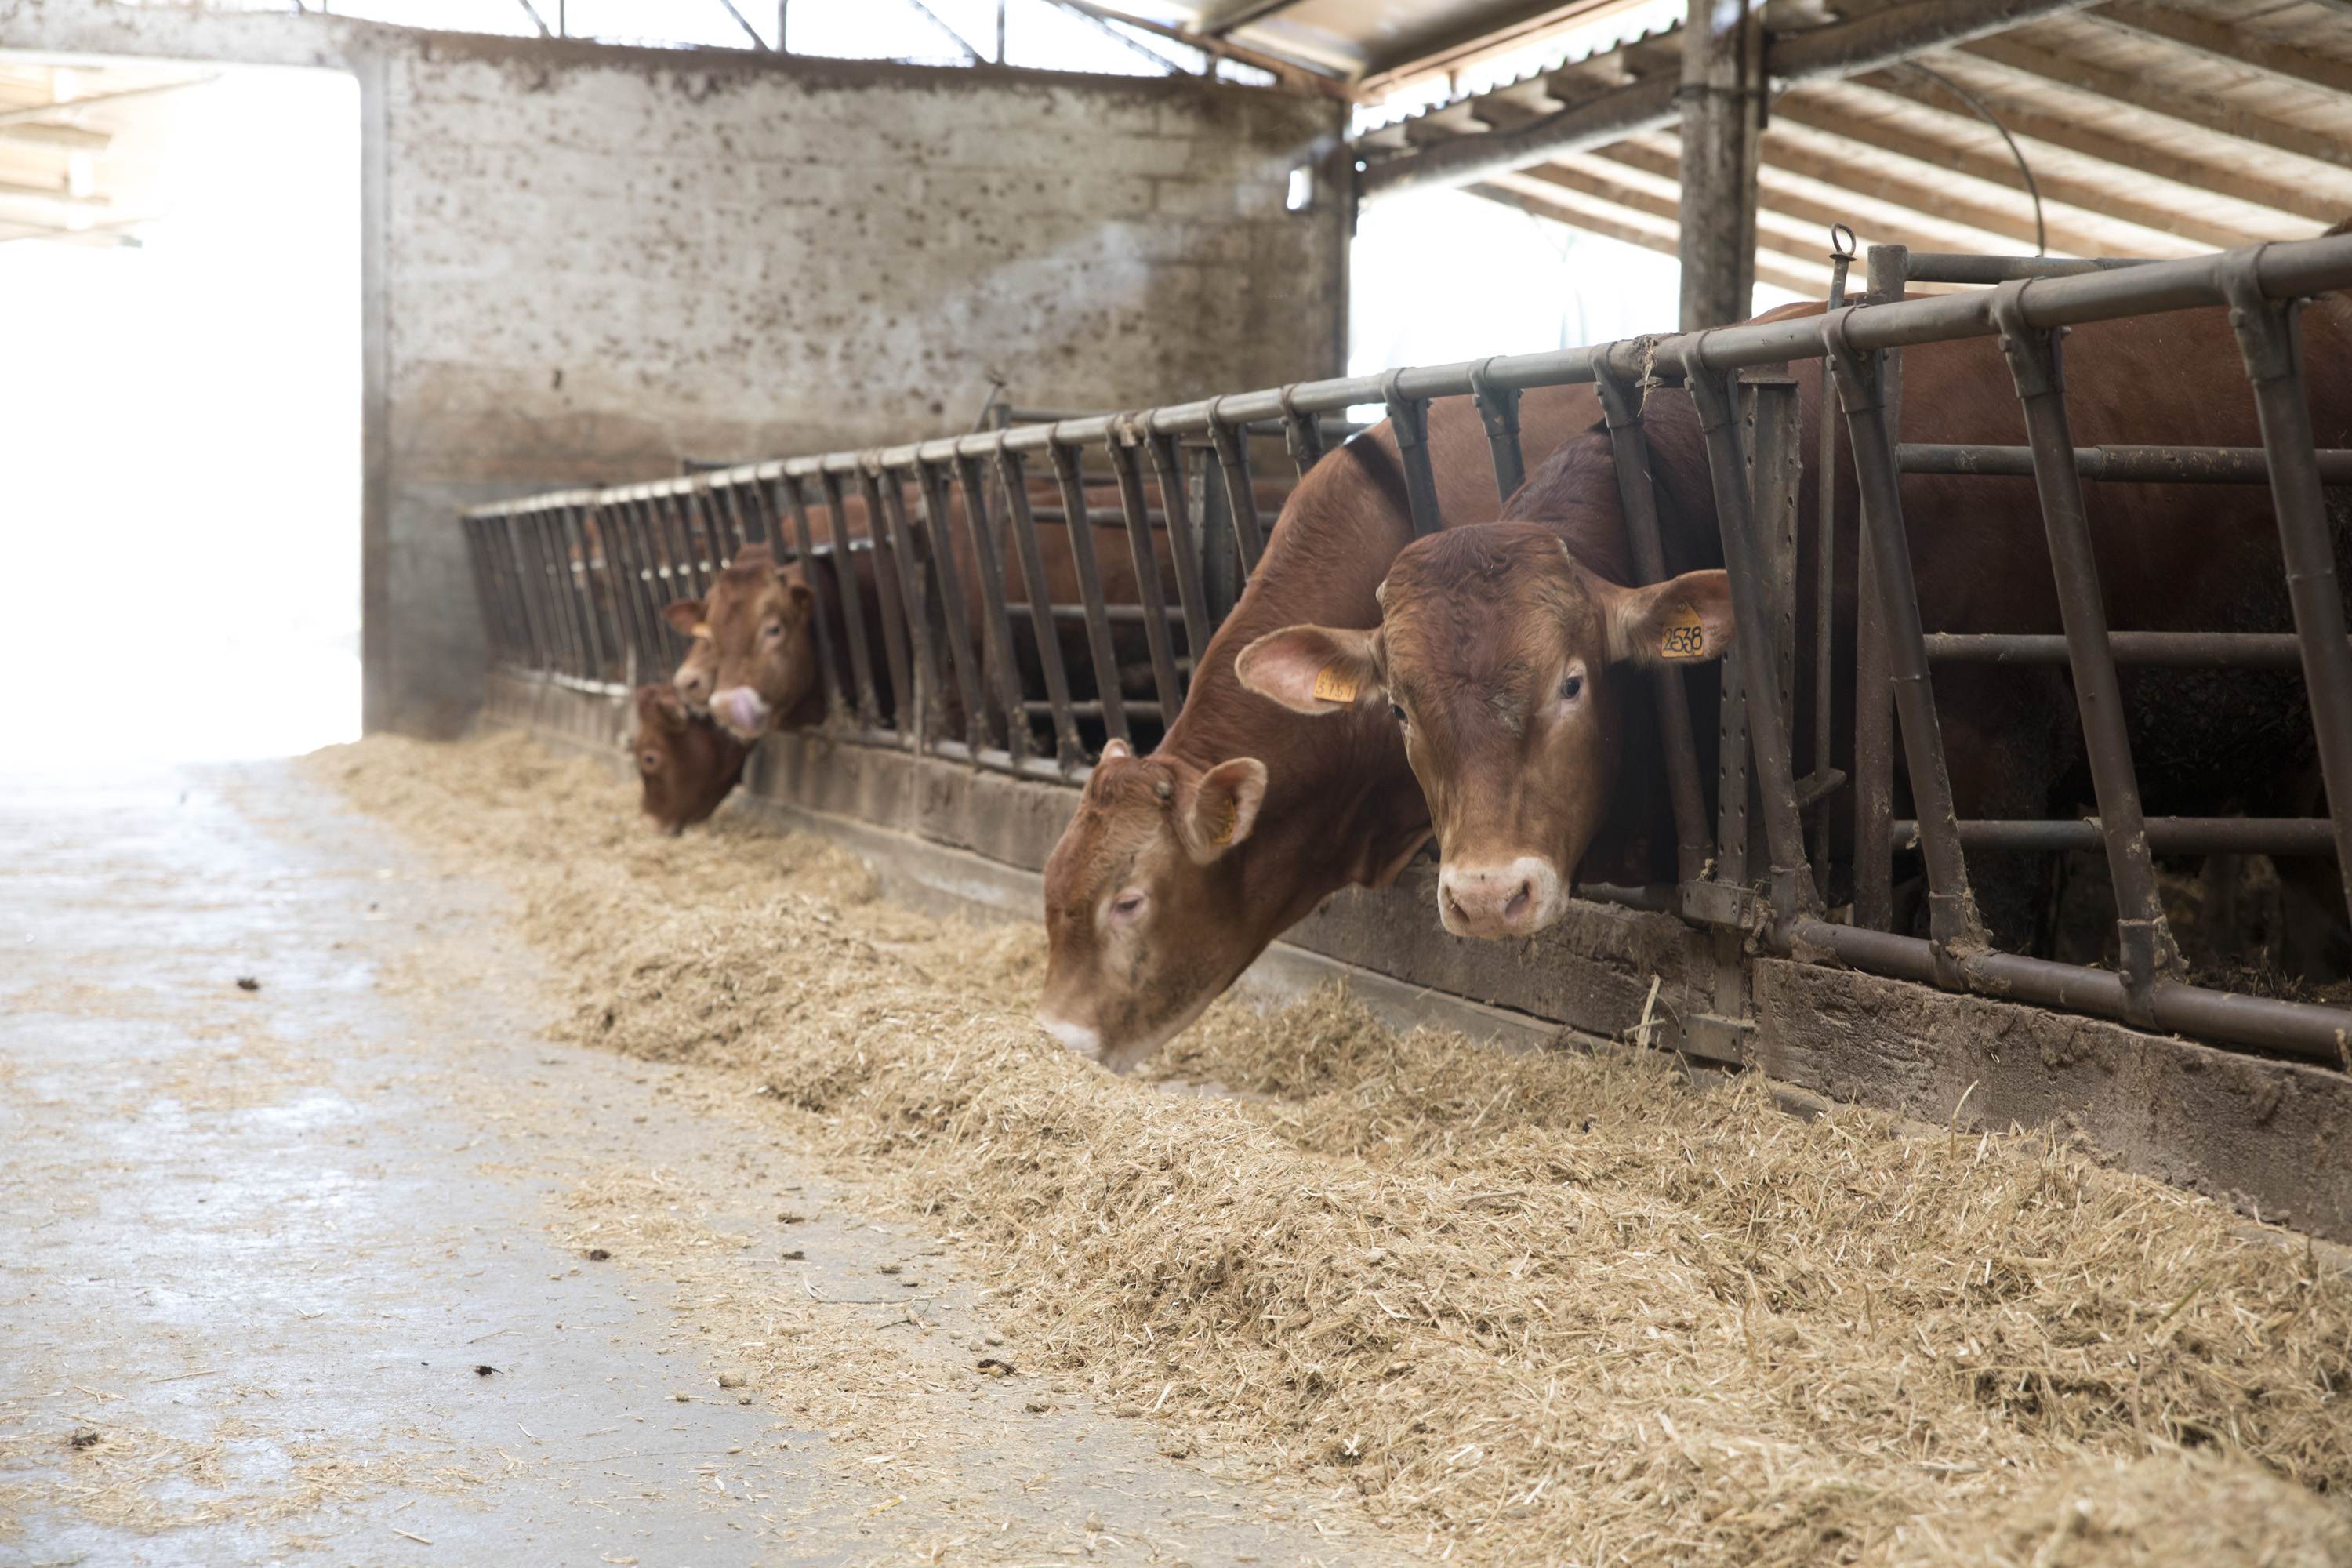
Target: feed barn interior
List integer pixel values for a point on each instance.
(806, 806)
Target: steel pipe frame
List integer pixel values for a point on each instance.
(1130, 476)
(1068, 751)
(1099, 645)
(2258, 283)
(918, 680)
(836, 703)
(2145, 650)
(2122, 465)
(997, 628)
(2164, 835)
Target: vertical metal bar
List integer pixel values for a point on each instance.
(1825, 572)
(971, 686)
(485, 591)
(1775, 462)
(1147, 573)
(1302, 433)
(1953, 928)
(564, 589)
(1241, 496)
(533, 623)
(1183, 544)
(1498, 410)
(1873, 711)
(1409, 423)
(2037, 366)
(886, 513)
(1638, 501)
(611, 569)
(651, 583)
(1793, 888)
(1067, 750)
(2270, 340)
(1105, 652)
(677, 548)
(544, 593)
(853, 608)
(906, 698)
(1213, 525)
(726, 502)
(796, 502)
(585, 587)
(997, 626)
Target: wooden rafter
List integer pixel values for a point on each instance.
(1594, 217)
(2220, 41)
(1649, 202)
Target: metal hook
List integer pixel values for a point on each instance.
(1843, 249)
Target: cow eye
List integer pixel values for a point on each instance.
(1127, 905)
(1570, 687)
(1396, 712)
(773, 629)
(650, 760)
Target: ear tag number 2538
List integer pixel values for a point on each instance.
(1683, 635)
(1334, 685)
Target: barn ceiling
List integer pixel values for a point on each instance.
(2150, 127)
(82, 149)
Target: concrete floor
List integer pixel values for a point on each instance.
(284, 1259)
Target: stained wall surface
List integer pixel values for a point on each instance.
(586, 263)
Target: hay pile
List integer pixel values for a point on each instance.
(1555, 1308)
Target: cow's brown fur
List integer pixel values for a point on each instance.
(1340, 803)
(686, 764)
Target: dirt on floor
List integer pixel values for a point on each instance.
(1552, 1307)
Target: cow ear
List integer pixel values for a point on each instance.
(686, 616)
(1115, 750)
(798, 598)
(1223, 808)
(1313, 670)
(1680, 621)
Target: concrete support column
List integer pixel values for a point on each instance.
(1723, 119)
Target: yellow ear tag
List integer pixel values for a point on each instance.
(1233, 815)
(1684, 635)
(1332, 686)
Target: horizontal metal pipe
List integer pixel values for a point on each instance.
(1960, 267)
(1129, 614)
(2290, 1028)
(1090, 709)
(2157, 651)
(1655, 898)
(2165, 835)
(2133, 465)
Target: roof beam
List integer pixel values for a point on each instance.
(1784, 153)
(2220, 41)
(2226, 180)
(2192, 109)
(1649, 204)
(1219, 18)
(1838, 49)
(1800, 108)
(1594, 216)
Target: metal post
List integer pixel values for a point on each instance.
(1409, 423)
(997, 625)
(1873, 710)
(585, 588)
(1183, 543)
(886, 515)
(1067, 750)
(1241, 496)
(1722, 124)
(790, 488)
(1825, 572)
(1953, 928)
(2270, 340)
(1148, 591)
(1638, 501)
(1498, 410)
(1081, 531)
(2035, 363)
(853, 607)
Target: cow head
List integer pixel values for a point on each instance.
(693, 680)
(1504, 663)
(686, 764)
(1140, 897)
(759, 616)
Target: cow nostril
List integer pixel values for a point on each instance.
(1519, 900)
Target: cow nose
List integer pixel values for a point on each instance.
(1512, 899)
(695, 689)
(1086, 1042)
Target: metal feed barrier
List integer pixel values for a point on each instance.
(572, 585)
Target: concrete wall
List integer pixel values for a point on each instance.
(583, 263)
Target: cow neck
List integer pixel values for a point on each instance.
(1341, 798)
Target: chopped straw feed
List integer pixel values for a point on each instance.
(1549, 1308)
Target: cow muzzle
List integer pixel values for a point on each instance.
(739, 709)
(1087, 1042)
(1516, 897)
(693, 689)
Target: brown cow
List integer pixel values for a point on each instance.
(694, 677)
(686, 763)
(1181, 866)
(1482, 638)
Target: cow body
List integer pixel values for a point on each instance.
(1178, 869)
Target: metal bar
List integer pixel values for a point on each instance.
(1232, 445)
(2131, 465)
(1085, 708)
(1744, 555)
(1147, 576)
(954, 605)
(570, 562)
(1498, 411)
(1040, 609)
(996, 625)
(2291, 1028)
(2037, 365)
(623, 553)
(836, 705)
(1132, 614)
(1100, 516)
(1099, 645)
(677, 539)
(585, 587)
(901, 565)
(1960, 267)
(540, 564)
(1300, 433)
(485, 588)
(2155, 650)
(1211, 524)
(2270, 341)
(1620, 405)
(1825, 574)
(1183, 545)
(1409, 423)
(1952, 922)
(534, 633)
(1873, 710)
(853, 609)
(2165, 834)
